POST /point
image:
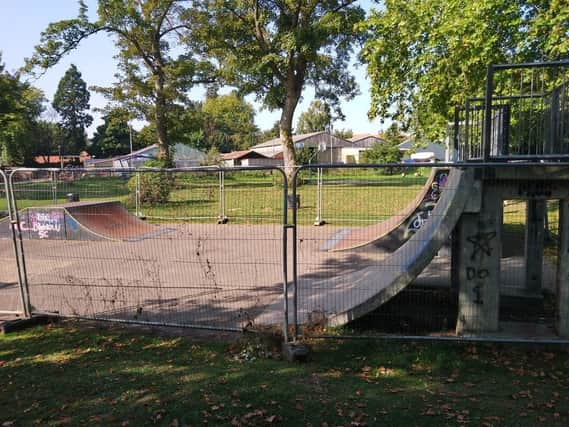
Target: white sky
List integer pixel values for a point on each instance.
(22, 21)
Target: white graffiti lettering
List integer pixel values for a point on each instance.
(43, 223)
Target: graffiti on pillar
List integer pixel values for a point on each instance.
(481, 248)
(481, 245)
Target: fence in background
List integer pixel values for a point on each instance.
(225, 249)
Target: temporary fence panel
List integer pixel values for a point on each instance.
(11, 297)
(363, 216)
(98, 257)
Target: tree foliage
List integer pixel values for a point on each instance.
(426, 56)
(20, 109)
(154, 73)
(229, 123)
(383, 153)
(113, 137)
(315, 119)
(71, 101)
(276, 49)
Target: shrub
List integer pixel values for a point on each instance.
(154, 187)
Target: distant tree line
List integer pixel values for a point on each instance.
(423, 57)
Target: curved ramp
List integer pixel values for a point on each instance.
(392, 233)
(346, 297)
(81, 221)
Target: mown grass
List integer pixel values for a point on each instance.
(69, 375)
(354, 198)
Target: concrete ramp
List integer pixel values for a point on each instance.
(392, 233)
(81, 221)
(346, 297)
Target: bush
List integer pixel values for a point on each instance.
(154, 187)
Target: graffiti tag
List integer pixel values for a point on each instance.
(43, 223)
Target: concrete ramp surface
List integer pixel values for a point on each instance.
(81, 221)
(392, 233)
(346, 297)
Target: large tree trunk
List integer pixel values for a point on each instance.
(161, 122)
(285, 129)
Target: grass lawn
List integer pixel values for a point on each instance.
(73, 375)
(355, 198)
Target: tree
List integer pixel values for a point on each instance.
(269, 134)
(229, 123)
(153, 74)
(343, 133)
(20, 108)
(276, 49)
(424, 57)
(71, 101)
(315, 119)
(114, 136)
(383, 153)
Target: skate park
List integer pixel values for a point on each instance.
(97, 259)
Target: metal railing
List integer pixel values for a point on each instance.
(527, 110)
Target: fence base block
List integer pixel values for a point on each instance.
(21, 324)
(294, 352)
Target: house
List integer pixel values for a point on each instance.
(57, 161)
(360, 143)
(325, 147)
(429, 154)
(183, 156)
(248, 158)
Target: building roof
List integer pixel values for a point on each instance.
(359, 136)
(180, 152)
(313, 139)
(234, 155)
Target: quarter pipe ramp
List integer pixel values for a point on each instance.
(81, 221)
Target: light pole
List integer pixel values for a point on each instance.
(130, 141)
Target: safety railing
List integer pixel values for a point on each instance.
(528, 115)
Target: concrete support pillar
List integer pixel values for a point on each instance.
(478, 266)
(563, 271)
(534, 241)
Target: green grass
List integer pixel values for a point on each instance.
(250, 197)
(69, 375)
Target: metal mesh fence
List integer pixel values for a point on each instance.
(447, 251)
(89, 252)
(10, 295)
(463, 251)
(367, 215)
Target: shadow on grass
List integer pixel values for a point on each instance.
(66, 375)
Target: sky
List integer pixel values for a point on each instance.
(22, 21)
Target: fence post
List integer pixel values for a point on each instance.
(18, 248)
(319, 220)
(137, 195)
(295, 255)
(487, 140)
(222, 218)
(54, 178)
